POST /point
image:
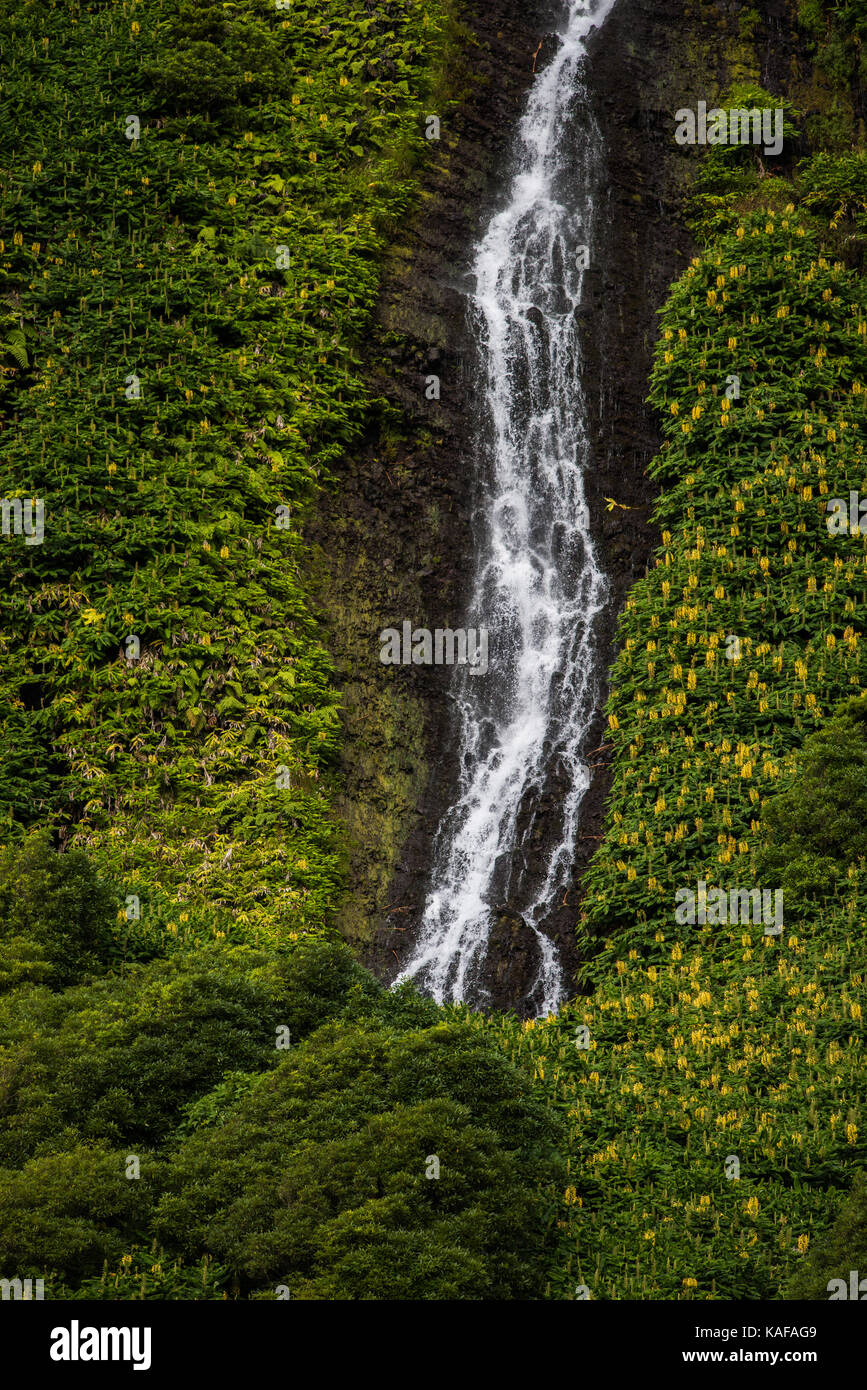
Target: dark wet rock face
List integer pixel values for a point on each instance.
(395, 537)
(549, 44)
(512, 961)
(395, 540)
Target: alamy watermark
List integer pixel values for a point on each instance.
(756, 126)
(77, 1343)
(23, 1289)
(23, 516)
(443, 647)
(716, 907)
(849, 519)
(857, 1290)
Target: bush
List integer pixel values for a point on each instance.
(843, 1249)
(146, 1275)
(817, 827)
(117, 1060)
(120, 1059)
(67, 1213)
(22, 962)
(57, 901)
(210, 59)
(320, 1175)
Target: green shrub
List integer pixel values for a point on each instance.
(147, 1275)
(116, 1060)
(65, 1214)
(317, 1177)
(22, 961)
(817, 828)
(840, 1251)
(57, 901)
(121, 1059)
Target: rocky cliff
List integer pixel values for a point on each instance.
(395, 540)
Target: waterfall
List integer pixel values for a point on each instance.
(538, 587)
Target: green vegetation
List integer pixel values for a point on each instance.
(842, 1251)
(737, 727)
(837, 32)
(143, 1275)
(320, 1177)
(227, 259)
(706, 1044)
(70, 1212)
(54, 911)
(118, 1058)
(386, 1153)
(202, 1095)
(193, 216)
(816, 833)
(746, 555)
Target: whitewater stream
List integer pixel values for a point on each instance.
(538, 587)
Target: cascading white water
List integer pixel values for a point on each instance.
(538, 586)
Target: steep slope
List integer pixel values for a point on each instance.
(196, 206)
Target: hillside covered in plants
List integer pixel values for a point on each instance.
(194, 207)
(713, 1081)
(204, 1095)
(194, 210)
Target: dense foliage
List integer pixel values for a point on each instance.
(716, 1099)
(118, 1058)
(202, 1096)
(55, 911)
(707, 1044)
(192, 214)
(841, 1253)
(200, 1129)
(373, 1166)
